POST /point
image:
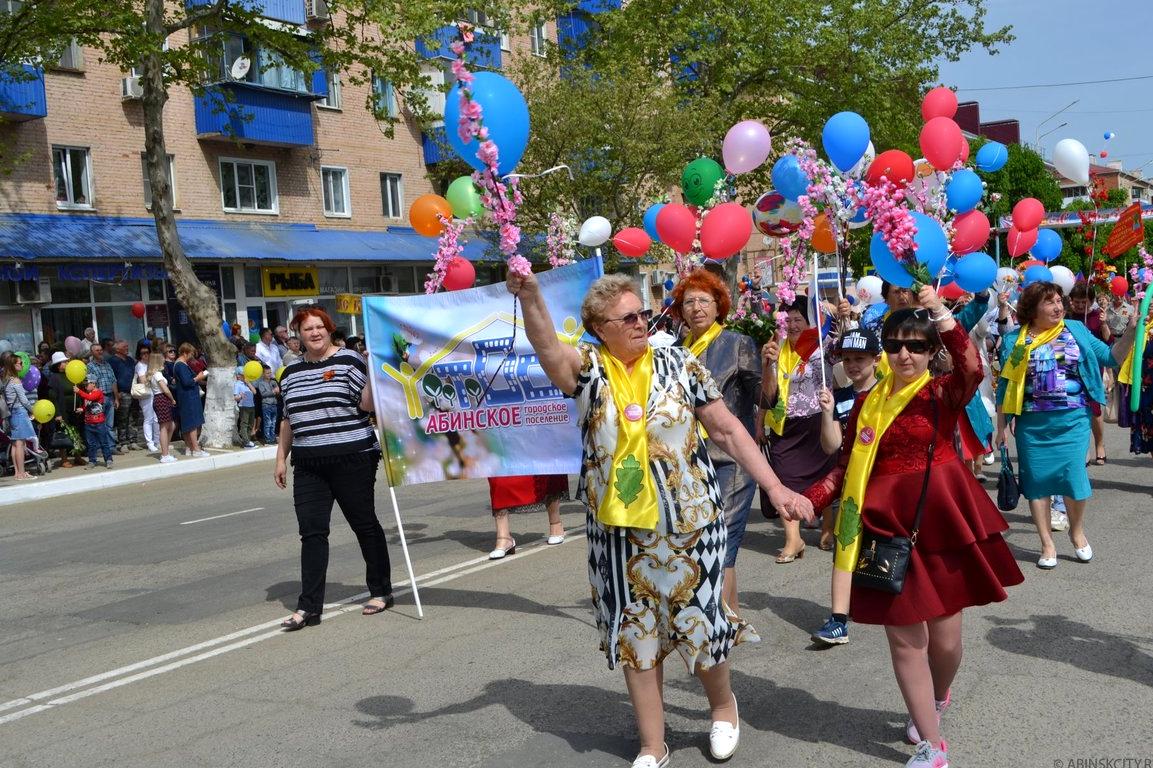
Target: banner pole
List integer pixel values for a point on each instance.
(820, 325)
(404, 548)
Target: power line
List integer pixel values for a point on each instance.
(1059, 85)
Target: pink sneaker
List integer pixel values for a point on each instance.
(929, 756)
(911, 732)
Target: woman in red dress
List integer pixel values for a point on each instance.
(522, 493)
(959, 558)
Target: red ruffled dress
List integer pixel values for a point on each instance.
(960, 558)
(517, 493)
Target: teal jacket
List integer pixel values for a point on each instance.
(1094, 354)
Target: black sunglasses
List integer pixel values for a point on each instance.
(633, 317)
(915, 346)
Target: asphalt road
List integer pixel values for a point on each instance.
(136, 632)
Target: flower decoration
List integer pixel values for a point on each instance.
(448, 248)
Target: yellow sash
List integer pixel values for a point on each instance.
(1017, 366)
(1125, 375)
(877, 413)
(630, 500)
(698, 347)
(787, 363)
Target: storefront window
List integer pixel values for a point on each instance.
(253, 285)
(61, 322)
(333, 280)
(16, 327)
(365, 279)
(71, 292)
(228, 282)
(155, 290)
(129, 290)
(117, 322)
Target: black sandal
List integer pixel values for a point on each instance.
(1100, 460)
(300, 620)
(372, 610)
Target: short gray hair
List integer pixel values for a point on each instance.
(603, 293)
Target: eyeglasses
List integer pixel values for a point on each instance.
(702, 302)
(915, 346)
(632, 318)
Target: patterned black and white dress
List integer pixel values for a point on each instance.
(659, 591)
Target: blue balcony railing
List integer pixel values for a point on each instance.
(22, 98)
(484, 52)
(256, 115)
(291, 11)
(435, 145)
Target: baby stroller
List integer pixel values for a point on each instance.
(34, 463)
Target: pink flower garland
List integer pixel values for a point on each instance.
(559, 242)
(886, 206)
(1139, 276)
(448, 247)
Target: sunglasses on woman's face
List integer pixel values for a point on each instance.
(915, 346)
(632, 318)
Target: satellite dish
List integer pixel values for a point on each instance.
(240, 68)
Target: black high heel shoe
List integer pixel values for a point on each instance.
(300, 620)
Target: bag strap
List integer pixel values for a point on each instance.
(928, 469)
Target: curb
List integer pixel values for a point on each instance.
(48, 489)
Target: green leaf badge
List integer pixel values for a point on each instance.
(630, 479)
(850, 527)
(779, 409)
(1017, 355)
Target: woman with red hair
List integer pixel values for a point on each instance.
(702, 302)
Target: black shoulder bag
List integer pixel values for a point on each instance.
(884, 560)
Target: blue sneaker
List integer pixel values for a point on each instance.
(832, 632)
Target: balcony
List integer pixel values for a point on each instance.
(290, 11)
(484, 52)
(435, 145)
(255, 114)
(22, 98)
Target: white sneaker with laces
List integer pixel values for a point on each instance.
(928, 756)
(167, 459)
(200, 454)
(724, 737)
(1058, 521)
(152, 448)
(648, 761)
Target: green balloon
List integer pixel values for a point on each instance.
(464, 198)
(700, 178)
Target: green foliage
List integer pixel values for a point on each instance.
(630, 480)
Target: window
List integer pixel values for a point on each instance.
(266, 67)
(248, 186)
(440, 83)
(332, 99)
(392, 195)
(539, 38)
(72, 57)
(335, 183)
(72, 169)
(11, 6)
(148, 187)
(505, 42)
(476, 18)
(383, 97)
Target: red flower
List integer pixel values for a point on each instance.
(328, 375)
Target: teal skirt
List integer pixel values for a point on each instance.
(1051, 448)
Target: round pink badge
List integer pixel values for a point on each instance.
(633, 412)
(867, 435)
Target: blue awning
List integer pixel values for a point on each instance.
(69, 237)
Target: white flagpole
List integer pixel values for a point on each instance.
(820, 325)
(391, 491)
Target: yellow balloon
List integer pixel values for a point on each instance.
(76, 371)
(279, 372)
(253, 370)
(43, 411)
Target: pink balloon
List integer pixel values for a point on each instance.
(1028, 213)
(459, 274)
(939, 102)
(633, 242)
(747, 145)
(1020, 241)
(725, 230)
(970, 232)
(941, 143)
(72, 346)
(964, 149)
(677, 226)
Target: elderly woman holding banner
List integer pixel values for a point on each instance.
(654, 509)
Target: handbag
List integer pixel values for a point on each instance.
(140, 390)
(884, 560)
(1008, 488)
(60, 441)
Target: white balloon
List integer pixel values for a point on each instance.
(1064, 277)
(1072, 160)
(858, 170)
(5, 346)
(1007, 277)
(595, 231)
(869, 289)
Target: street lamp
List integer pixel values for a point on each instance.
(1037, 141)
(1051, 130)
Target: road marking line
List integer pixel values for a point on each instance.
(217, 517)
(332, 610)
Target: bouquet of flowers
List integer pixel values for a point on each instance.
(756, 325)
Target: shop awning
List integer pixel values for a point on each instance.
(34, 236)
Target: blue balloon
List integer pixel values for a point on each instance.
(1048, 245)
(888, 268)
(668, 301)
(932, 245)
(227, 329)
(845, 138)
(1037, 274)
(976, 272)
(949, 273)
(505, 117)
(650, 220)
(788, 178)
(669, 284)
(964, 191)
(992, 157)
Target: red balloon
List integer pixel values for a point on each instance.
(459, 274)
(725, 230)
(964, 149)
(939, 102)
(894, 165)
(138, 310)
(970, 232)
(1020, 242)
(1104, 154)
(1028, 213)
(632, 242)
(951, 292)
(1119, 286)
(677, 227)
(941, 143)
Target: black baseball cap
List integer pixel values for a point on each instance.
(859, 340)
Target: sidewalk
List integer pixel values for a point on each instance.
(127, 469)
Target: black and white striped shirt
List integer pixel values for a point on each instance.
(322, 405)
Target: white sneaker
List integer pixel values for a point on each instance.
(988, 461)
(1058, 521)
(169, 459)
(153, 448)
(200, 454)
(928, 756)
(724, 737)
(250, 445)
(187, 451)
(648, 761)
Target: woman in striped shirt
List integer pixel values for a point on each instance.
(327, 399)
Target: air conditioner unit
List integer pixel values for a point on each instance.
(316, 10)
(34, 291)
(130, 87)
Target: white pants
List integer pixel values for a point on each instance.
(151, 425)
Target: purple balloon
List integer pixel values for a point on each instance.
(31, 379)
(747, 145)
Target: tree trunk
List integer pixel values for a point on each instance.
(197, 299)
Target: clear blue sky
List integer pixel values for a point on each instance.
(1066, 41)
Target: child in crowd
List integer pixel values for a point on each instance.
(95, 426)
(243, 391)
(269, 390)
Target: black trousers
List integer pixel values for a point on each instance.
(349, 481)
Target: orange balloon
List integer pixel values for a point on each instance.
(823, 239)
(423, 214)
